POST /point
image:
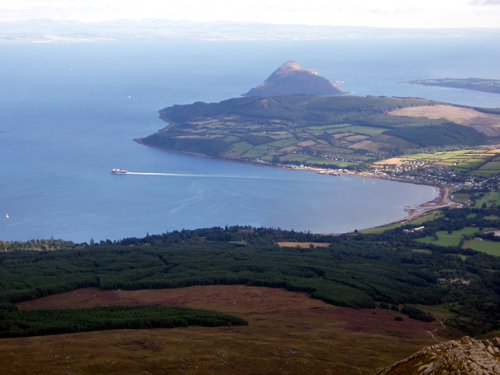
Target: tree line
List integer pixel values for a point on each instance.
(15, 323)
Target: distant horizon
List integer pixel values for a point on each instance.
(357, 13)
(68, 31)
(250, 22)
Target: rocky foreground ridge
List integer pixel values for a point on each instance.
(292, 79)
(456, 357)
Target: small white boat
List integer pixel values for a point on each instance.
(118, 171)
(7, 216)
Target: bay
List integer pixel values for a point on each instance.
(69, 113)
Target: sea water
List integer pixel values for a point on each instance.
(69, 114)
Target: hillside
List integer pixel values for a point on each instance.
(330, 131)
(292, 79)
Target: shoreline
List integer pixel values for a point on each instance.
(442, 199)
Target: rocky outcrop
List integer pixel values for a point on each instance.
(456, 357)
(292, 79)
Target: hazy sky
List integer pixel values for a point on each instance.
(381, 13)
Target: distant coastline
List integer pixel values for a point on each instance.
(157, 29)
(477, 84)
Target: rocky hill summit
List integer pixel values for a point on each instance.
(292, 79)
(456, 357)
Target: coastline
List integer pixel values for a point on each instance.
(442, 199)
(449, 87)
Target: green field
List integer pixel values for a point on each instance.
(333, 163)
(417, 221)
(491, 217)
(381, 229)
(490, 198)
(423, 218)
(295, 157)
(481, 172)
(241, 147)
(449, 239)
(488, 247)
(253, 153)
(366, 130)
(282, 143)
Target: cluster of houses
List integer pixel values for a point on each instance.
(413, 230)
(442, 175)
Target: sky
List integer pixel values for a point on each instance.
(380, 13)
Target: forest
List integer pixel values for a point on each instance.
(14, 323)
(355, 270)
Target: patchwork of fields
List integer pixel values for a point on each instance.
(337, 132)
(307, 145)
(483, 161)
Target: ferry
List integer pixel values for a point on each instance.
(118, 171)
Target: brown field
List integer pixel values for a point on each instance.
(306, 143)
(367, 145)
(356, 138)
(392, 161)
(289, 148)
(492, 165)
(488, 124)
(288, 333)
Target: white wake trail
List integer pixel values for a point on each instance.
(191, 175)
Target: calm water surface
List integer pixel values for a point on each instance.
(70, 113)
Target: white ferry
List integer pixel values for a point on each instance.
(118, 171)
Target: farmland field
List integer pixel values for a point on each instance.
(490, 198)
(442, 240)
(488, 247)
(449, 239)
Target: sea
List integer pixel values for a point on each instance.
(69, 113)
